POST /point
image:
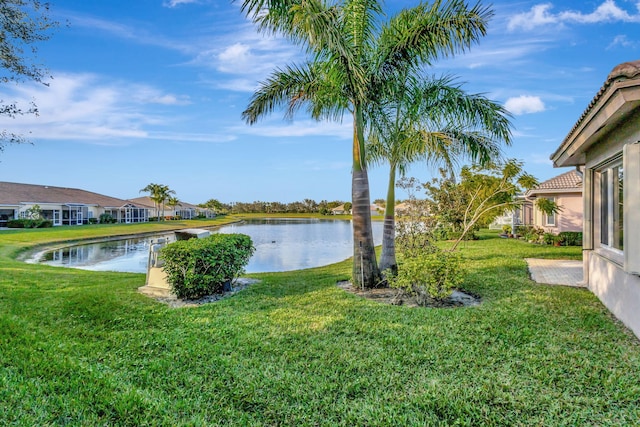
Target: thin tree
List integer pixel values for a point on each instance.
(432, 120)
(354, 49)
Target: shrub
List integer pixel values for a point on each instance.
(106, 218)
(93, 220)
(430, 275)
(549, 238)
(530, 233)
(571, 238)
(506, 229)
(29, 223)
(199, 267)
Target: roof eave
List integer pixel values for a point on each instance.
(535, 192)
(611, 105)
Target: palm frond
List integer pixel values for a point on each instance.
(422, 34)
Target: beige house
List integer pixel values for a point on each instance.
(340, 210)
(566, 191)
(184, 210)
(606, 142)
(64, 206)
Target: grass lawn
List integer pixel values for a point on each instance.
(84, 348)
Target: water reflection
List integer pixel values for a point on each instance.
(281, 245)
(126, 255)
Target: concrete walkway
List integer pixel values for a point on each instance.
(556, 271)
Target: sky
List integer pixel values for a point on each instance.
(152, 91)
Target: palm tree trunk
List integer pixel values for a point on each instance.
(388, 256)
(365, 269)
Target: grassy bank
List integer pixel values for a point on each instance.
(84, 348)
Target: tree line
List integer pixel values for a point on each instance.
(323, 207)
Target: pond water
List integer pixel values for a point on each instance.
(281, 245)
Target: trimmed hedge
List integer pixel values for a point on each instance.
(200, 267)
(29, 223)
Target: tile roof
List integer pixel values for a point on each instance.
(626, 70)
(144, 200)
(620, 73)
(12, 193)
(147, 202)
(567, 180)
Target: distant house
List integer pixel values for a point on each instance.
(184, 210)
(401, 208)
(566, 191)
(340, 210)
(64, 206)
(376, 209)
(606, 143)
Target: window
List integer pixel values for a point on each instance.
(549, 220)
(611, 206)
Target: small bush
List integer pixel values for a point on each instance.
(199, 267)
(429, 275)
(571, 238)
(106, 218)
(93, 220)
(530, 233)
(549, 238)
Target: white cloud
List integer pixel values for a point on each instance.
(149, 95)
(239, 53)
(524, 105)
(85, 107)
(299, 128)
(245, 55)
(127, 32)
(541, 15)
(175, 3)
(235, 58)
(236, 85)
(623, 41)
(502, 52)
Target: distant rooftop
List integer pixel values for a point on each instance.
(570, 181)
(567, 180)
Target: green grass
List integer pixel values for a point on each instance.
(84, 348)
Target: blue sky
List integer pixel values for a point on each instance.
(153, 90)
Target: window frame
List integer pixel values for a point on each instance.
(553, 216)
(609, 237)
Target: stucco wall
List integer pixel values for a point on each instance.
(569, 219)
(618, 291)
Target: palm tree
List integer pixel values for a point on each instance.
(172, 202)
(159, 193)
(354, 51)
(433, 120)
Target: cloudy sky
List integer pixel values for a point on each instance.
(153, 90)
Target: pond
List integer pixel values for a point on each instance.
(281, 245)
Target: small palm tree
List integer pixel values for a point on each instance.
(172, 202)
(432, 120)
(159, 193)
